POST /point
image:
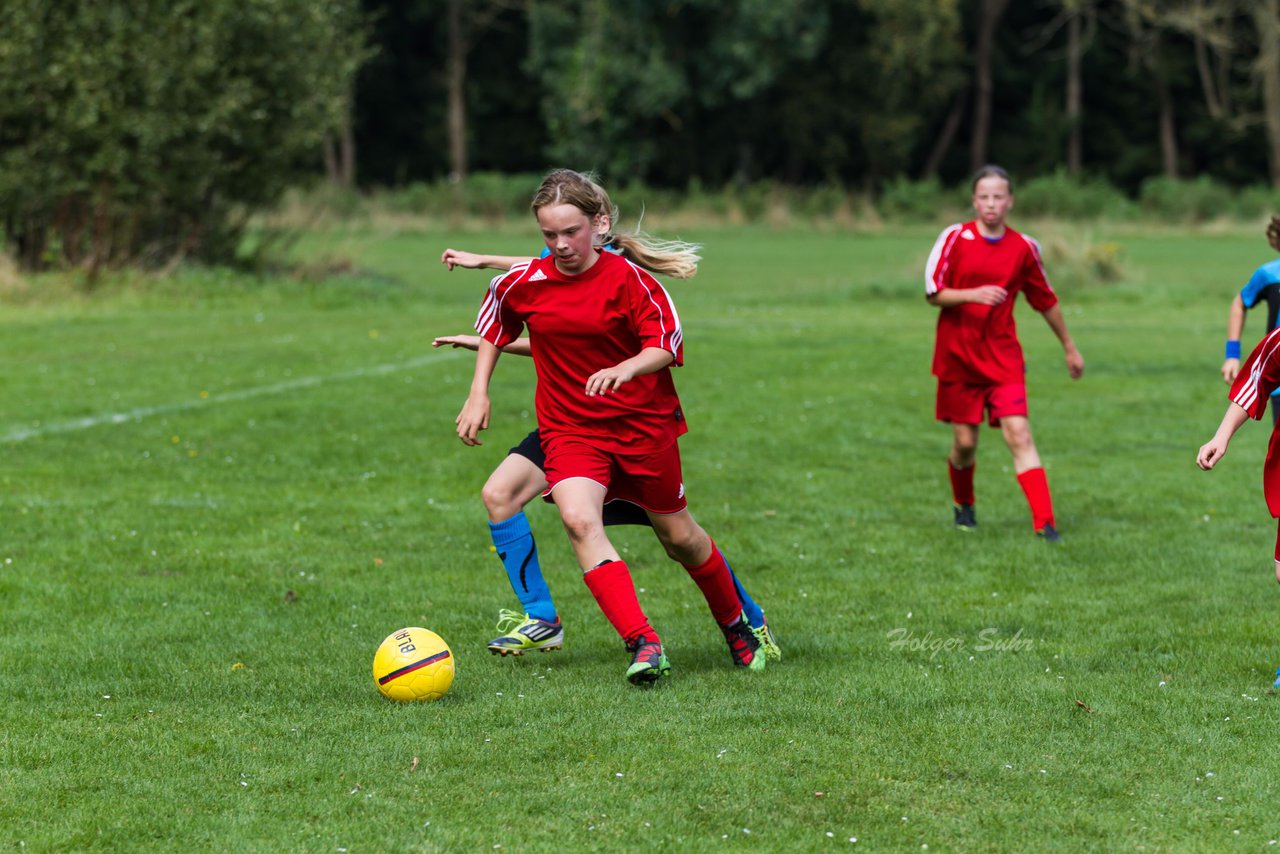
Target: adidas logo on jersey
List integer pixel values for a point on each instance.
(537, 276)
(967, 234)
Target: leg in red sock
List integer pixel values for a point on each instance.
(1036, 487)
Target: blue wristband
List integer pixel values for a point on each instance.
(1233, 349)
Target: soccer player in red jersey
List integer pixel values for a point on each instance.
(1258, 378)
(974, 273)
(516, 481)
(604, 334)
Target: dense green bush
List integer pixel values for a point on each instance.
(1257, 202)
(903, 200)
(1063, 197)
(1178, 201)
(146, 131)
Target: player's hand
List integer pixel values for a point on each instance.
(987, 294)
(458, 258)
(1230, 370)
(1075, 364)
(1211, 452)
(610, 379)
(473, 418)
(466, 342)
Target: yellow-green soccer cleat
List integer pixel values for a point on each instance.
(768, 643)
(521, 633)
(648, 661)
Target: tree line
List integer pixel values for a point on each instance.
(857, 92)
(149, 131)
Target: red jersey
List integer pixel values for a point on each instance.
(1258, 377)
(979, 343)
(582, 324)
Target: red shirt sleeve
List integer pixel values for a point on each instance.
(1035, 282)
(497, 323)
(1258, 377)
(656, 322)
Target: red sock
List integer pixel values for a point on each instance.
(615, 592)
(962, 483)
(716, 583)
(1036, 487)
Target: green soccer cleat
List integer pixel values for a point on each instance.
(648, 661)
(521, 633)
(768, 643)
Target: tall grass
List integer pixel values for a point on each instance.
(488, 199)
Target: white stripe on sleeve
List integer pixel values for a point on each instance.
(939, 259)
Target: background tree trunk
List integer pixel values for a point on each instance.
(1168, 130)
(945, 137)
(1266, 17)
(456, 74)
(992, 11)
(347, 154)
(1207, 83)
(1075, 88)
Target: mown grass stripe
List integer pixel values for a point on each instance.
(21, 434)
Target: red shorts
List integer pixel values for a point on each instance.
(653, 481)
(963, 403)
(1271, 475)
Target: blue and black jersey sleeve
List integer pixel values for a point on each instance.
(1264, 284)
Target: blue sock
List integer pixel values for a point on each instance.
(519, 555)
(754, 615)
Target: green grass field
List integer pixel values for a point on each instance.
(220, 494)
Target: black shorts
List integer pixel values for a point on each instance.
(616, 512)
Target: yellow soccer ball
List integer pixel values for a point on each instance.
(413, 664)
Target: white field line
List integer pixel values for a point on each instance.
(21, 434)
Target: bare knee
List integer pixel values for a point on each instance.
(580, 525)
(1018, 438)
(686, 544)
(683, 551)
(964, 449)
(501, 500)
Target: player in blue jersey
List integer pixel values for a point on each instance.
(1263, 285)
(519, 479)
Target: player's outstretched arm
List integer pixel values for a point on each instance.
(475, 261)
(474, 416)
(1214, 450)
(1075, 362)
(1235, 328)
(983, 295)
(518, 347)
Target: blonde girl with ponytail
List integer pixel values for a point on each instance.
(604, 336)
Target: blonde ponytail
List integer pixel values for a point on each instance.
(673, 258)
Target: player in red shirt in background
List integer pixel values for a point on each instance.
(974, 273)
(604, 334)
(1253, 386)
